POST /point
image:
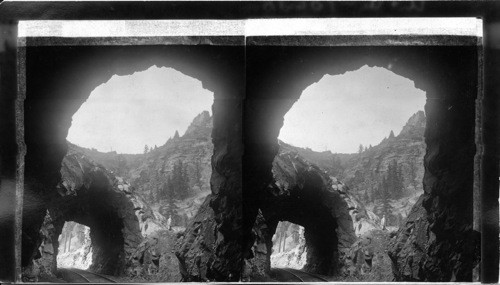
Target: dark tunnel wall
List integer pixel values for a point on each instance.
(60, 78)
(277, 75)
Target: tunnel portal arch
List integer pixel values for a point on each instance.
(448, 75)
(89, 195)
(301, 193)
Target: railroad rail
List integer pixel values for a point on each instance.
(301, 276)
(83, 276)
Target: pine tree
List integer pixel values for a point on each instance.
(170, 195)
(180, 180)
(394, 180)
(146, 149)
(413, 172)
(384, 196)
(366, 197)
(337, 168)
(360, 150)
(400, 181)
(198, 168)
(121, 165)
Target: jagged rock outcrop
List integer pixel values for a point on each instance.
(437, 242)
(44, 261)
(195, 249)
(364, 171)
(363, 219)
(415, 251)
(194, 149)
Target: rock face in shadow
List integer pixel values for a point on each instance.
(195, 248)
(437, 241)
(211, 247)
(418, 255)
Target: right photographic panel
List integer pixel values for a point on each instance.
(363, 147)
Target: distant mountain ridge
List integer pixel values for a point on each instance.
(148, 173)
(363, 172)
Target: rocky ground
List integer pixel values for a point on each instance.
(376, 243)
(162, 245)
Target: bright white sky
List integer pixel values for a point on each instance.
(340, 112)
(145, 108)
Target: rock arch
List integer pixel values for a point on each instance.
(89, 195)
(302, 193)
(277, 75)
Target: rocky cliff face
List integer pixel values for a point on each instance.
(148, 173)
(195, 249)
(363, 172)
(194, 149)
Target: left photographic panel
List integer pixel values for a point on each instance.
(132, 145)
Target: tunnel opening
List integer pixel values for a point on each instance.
(75, 248)
(289, 246)
(312, 248)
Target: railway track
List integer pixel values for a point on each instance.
(285, 274)
(82, 276)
